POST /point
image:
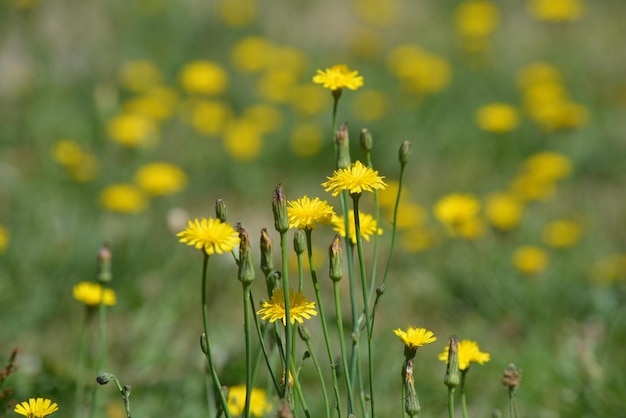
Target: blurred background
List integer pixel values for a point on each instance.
(121, 120)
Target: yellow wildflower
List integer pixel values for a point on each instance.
(299, 307)
(237, 399)
(251, 54)
(530, 259)
(548, 165)
(133, 130)
(306, 213)
(36, 408)
(413, 338)
(91, 294)
(243, 140)
(420, 71)
(209, 117)
(367, 223)
(140, 75)
(503, 210)
(337, 77)
(267, 118)
(160, 178)
(356, 179)
(476, 19)
(455, 209)
(210, 235)
(497, 118)
(123, 198)
(556, 10)
(67, 152)
(237, 13)
(468, 353)
(561, 234)
(277, 85)
(203, 77)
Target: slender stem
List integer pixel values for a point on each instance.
(321, 376)
(394, 225)
(101, 343)
(288, 325)
(368, 158)
(403, 399)
(451, 402)
(261, 335)
(353, 303)
(320, 307)
(298, 391)
(342, 346)
(246, 319)
(80, 379)
(463, 399)
(205, 323)
(512, 404)
(125, 392)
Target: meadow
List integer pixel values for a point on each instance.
(123, 120)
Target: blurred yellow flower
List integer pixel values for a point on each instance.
(530, 187)
(80, 166)
(475, 22)
(306, 140)
(307, 213)
(132, 130)
(356, 179)
(251, 54)
(203, 77)
(530, 259)
(308, 100)
(387, 197)
(548, 165)
(237, 13)
(561, 234)
(609, 269)
(123, 198)
(237, 399)
(267, 118)
(160, 178)
(140, 75)
(91, 294)
(468, 352)
(288, 59)
(243, 140)
(418, 239)
(366, 43)
(420, 71)
(5, 237)
(367, 224)
(337, 77)
(277, 85)
(410, 215)
(67, 152)
(210, 235)
(413, 338)
(470, 229)
(556, 10)
(497, 118)
(370, 105)
(381, 13)
(36, 408)
(299, 307)
(539, 73)
(85, 170)
(157, 103)
(209, 117)
(503, 210)
(456, 209)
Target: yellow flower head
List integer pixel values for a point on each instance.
(476, 18)
(139, 76)
(497, 118)
(413, 338)
(36, 408)
(503, 210)
(133, 130)
(356, 179)
(337, 77)
(305, 213)
(561, 234)
(91, 294)
(366, 222)
(211, 235)
(203, 77)
(123, 198)
(237, 399)
(299, 307)
(455, 209)
(548, 165)
(160, 178)
(557, 10)
(468, 352)
(530, 260)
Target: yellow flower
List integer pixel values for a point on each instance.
(139, 76)
(305, 213)
(306, 140)
(413, 338)
(132, 130)
(503, 210)
(267, 118)
(367, 224)
(455, 209)
(418, 239)
(561, 234)
(548, 165)
(67, 152)
(497, 118)
(539, 73)
(157, 103)
(370, 105)
(532, 187)
(337, 77)
(4, 238)
(308, 100)
(277, 85)
(203, 77)
(299, 307)
(243, 140)
(556, 10)
(251, 54)
(237, 399)
(160, 178)
(211, 235)
(476, 19)
(237, 13)
(209, 117)
(410, 215)
(36, 408)
(123, 198)
(420, 71)
(356, 179)
(530, 260)
(468, 352)
(92, 293)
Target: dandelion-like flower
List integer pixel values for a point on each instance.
(306, 213)
(356, 179)
(91, 294)
(237, 400)
(36, 408)
(529, 259)
(468, 352)
(366, 222)
(413, 338)
(211, 235)
(299, 307)
(338, 77)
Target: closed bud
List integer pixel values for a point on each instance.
(220, 210)
(279, 207)
(512, 377)
(271, 281)
(267, 262)
(335, 254)
(380, 290)
(299, 241)
(245, 273)
(342, 140)
(453, 375)
(304, 332)
(411, 401)
(367, 142)
(104, 378)
(405, 153)
(104, 264)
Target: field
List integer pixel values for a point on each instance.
(122, 120)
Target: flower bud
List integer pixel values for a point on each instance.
(245, 273)
(220, 210)
(267, 263)
(279, 207)
(271, 281)
(342, 140)
(453, 375)
(380, 290)
(299, 241)
(404, 153)
(411, 401)
(367, 142)
(104, 264)
(512, 377)
(104, 378)
(335, 253)
(304, 332)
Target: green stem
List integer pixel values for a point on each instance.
(512, 404)
(368, 158)
(403, 398)
(288, 325)
(451, 402)
(298, 391)
(321, 376)
(342, 346)
(353, 304)
(205, 323)
(463, 398)
(246, 318)
(261, 335)
(101, 343)
(320, 307)
(394, 225)
(80, 379)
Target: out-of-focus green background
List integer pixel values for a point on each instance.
(92, 93)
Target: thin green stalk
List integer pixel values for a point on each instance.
(463, 398)
(403, 398)
(366, 308)
(512, 404)
(298, 392)
(368, 158)
(288, 325)
(261, 335)
(80, 379)
(342, 346)
(320, 374)
(320, 307)
(246, 320)
(451, 402)
(394, 225)
(205, 323)
(101, 343)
